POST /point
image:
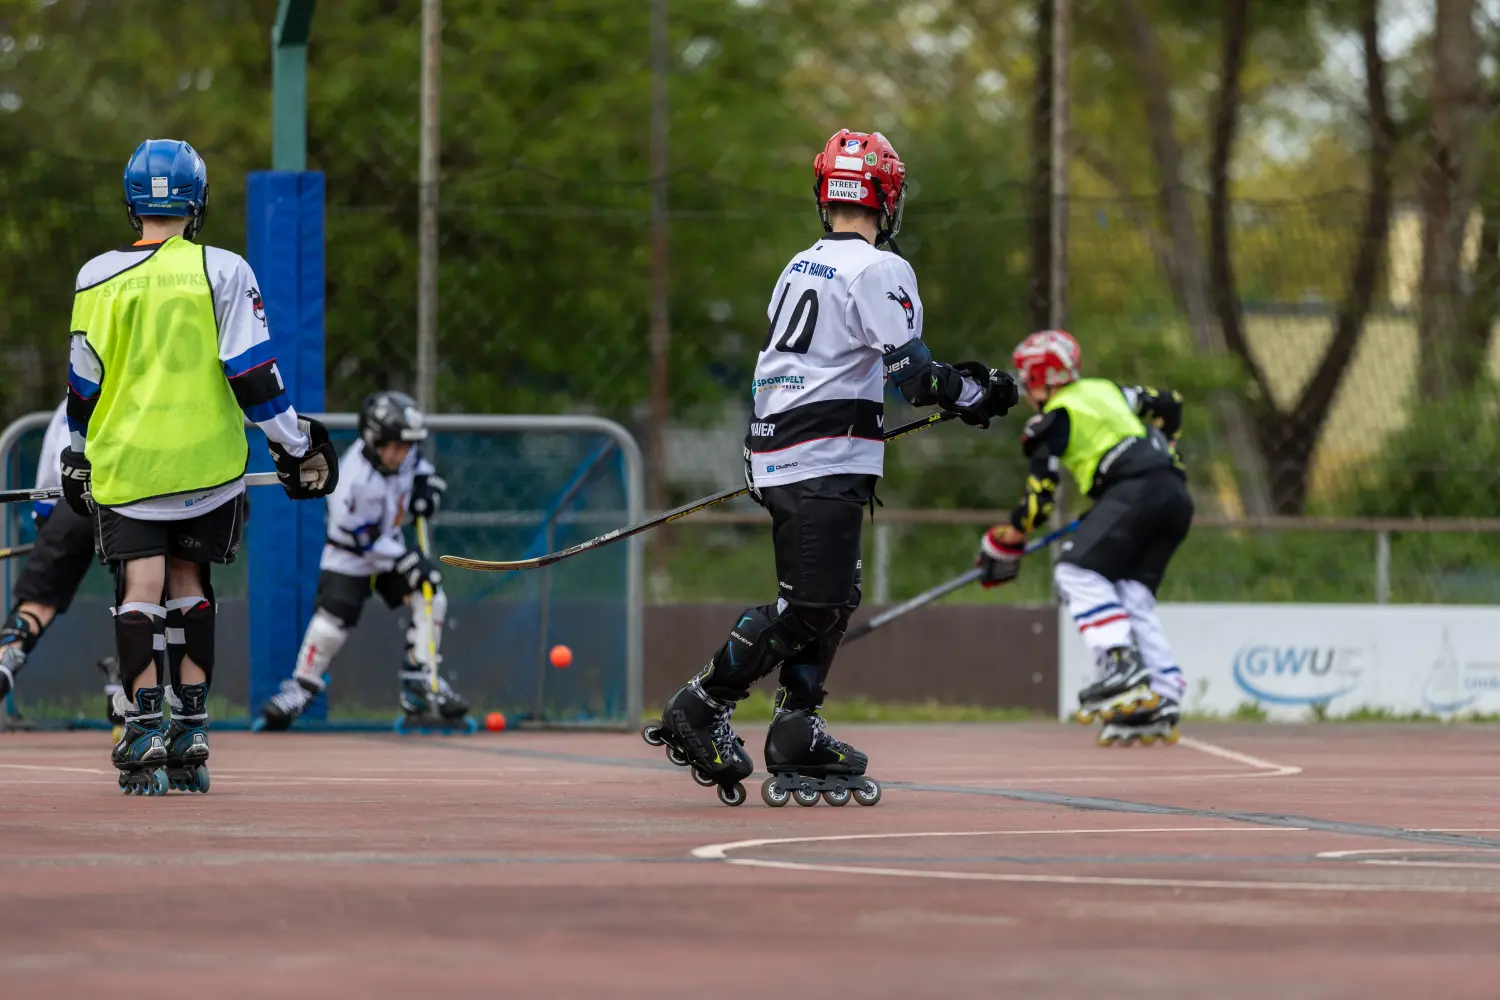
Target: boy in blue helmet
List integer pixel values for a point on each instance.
(170, 354)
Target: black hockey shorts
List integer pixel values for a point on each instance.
(208, 538)
(343, 595)
(1133, 529)
(62, 557)
(815, 525)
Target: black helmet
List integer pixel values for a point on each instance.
(389, 416)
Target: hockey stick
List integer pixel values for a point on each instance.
(56, 493)
(432, 673)
(17, 550)
(926, 597)
(492, 566)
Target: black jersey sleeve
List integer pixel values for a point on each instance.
(1044, 441)
(1162, 407)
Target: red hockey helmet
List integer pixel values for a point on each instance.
(861, 168)
(1047, 359)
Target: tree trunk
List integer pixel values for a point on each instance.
(1185, 270)
(1040, 194)
(1447, 196)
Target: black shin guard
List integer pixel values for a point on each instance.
(135, 642)
(802, 677)
(761, 641)
(18, 637)
(190, 633)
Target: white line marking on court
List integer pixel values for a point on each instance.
(1268, 769)
(720, 852)
(55, 767)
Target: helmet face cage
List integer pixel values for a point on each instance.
(388, 417)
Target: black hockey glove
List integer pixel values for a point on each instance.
(999, 558)
(77, 482)
(750, 477)
(427, 495)
(416, 569)
(1000, 394)
(316, 472)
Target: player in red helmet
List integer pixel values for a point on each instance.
(845, 317)
(1119, 445)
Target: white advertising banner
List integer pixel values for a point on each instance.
(1433, 659)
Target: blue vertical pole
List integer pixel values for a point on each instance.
(284, 242)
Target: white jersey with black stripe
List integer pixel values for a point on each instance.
(819, 382)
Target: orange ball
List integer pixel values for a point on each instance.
(560, 656)
(495, 722)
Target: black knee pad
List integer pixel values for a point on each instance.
(135, 642)
(21, 628)
(760, 642)
(190, 632)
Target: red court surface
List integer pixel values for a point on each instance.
(1004, 861)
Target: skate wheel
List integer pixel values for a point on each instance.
(1083, 718)
(773, 794)
(401, 726)
(1105, 741)
(200, 779)
(836, 796)
(732, 795)
(703, 778)
(157, 782)
(651, 733)
(868, 792)
(1171, 738)
(258, 724)
(1147, 739)
(677, 757)
(123, 783)
(470, 727)
(806, 796)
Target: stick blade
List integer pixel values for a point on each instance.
(489, 565)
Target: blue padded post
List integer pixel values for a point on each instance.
(284, 243)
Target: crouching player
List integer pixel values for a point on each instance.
(1119, 445)
(844, 316)
(54, 569)
(170, 354)
(383, 475)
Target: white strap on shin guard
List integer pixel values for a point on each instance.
(325, 636)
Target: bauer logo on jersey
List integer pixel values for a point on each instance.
(760, 429)
(841, 190)
(904, 301)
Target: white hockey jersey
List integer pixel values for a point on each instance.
(49, 463)
(819, 381)
(366, 511)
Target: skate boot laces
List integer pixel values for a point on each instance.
(292, 697)
(725, 740)
(821, 738)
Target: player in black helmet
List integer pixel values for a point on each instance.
(384, 475)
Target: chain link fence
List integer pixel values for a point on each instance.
(1297, 265)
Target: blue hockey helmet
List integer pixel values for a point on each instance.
(166, 177)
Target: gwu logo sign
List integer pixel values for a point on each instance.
(1298, 675)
